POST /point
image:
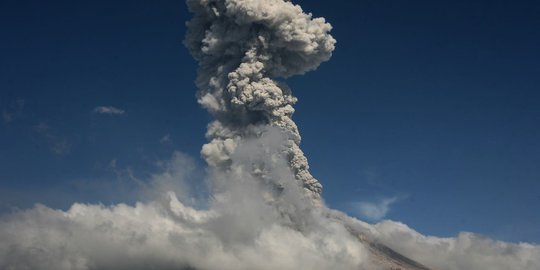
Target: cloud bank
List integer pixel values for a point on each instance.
(237, 228)
(241, 226)
(465, 251)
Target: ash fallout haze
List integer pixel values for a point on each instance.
(420, 119)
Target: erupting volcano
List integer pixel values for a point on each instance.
(265, 209)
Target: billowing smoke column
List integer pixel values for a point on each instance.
(241, 45)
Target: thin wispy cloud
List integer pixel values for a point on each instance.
(110, 110)
(7, 117)
(166, 139)
(13, 111)
(375, 210)
(58, 145)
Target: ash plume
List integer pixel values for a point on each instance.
(241, 47)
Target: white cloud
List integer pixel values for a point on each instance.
(374, 210)
(108, 110)
(465, 251)
(238, 229)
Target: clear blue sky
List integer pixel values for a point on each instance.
(436, 103)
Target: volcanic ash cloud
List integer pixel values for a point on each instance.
(241, 46)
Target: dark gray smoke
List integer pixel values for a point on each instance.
(242, 46)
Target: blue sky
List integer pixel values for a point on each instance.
(429, 110)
